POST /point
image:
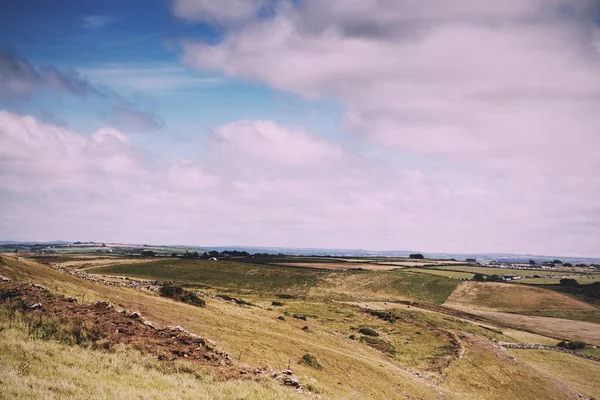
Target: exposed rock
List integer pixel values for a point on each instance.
(135, 315)
(70, 299)
(293, 382)
(104, 304)
(148, 324)
(288, 372)
(4, 279)
(36, 306)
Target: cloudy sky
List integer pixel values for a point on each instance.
(437, 126)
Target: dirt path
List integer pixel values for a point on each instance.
(380, 305)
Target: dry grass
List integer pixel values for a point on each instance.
(37, 369)
(550, 327)
(487, 372)
(255, 337)
(253, 333)
(581, 374)
(508, 297)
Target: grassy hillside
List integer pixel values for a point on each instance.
(340, 285)
(512, 298)
(418, 355)
(40, 369)
(583, 375)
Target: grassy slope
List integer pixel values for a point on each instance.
(299, 281)
(511, 298)
(37, 369)
(362, 371)
(584, 315)
(581, 374)
(488, 373)
(255, 333)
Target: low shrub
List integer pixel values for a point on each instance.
(577, 345)
(180, 294)
(237, 301)
(281, 318)
(388, 316)
(379, 344)
(368, 332)
(311, 361)
(286, 296)
(277, 303)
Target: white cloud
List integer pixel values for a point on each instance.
(259, 183)
(97, 21)
(501, 93)
(217, 11)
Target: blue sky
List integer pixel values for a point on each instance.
(446, 127)
(136, 54)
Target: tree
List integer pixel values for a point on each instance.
(556, 262)
(417, 256)
(531, 262)
(479, 277)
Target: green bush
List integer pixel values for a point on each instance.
(384, 315)
(577, 345)
(281, 318)
(286, 296)
(368, 332)
(241, 302)
(180, 294)
(277, 303)
(311, 361)
(379, 344)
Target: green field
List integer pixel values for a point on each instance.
(440, 272)
(341, 285)
(526, 274)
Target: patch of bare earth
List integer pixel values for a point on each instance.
(110, 327)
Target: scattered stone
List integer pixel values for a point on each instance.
(35, 285)
(104, 304)
(70, 299)
(148, 324)
(257, 371)
(4, 279)
(243, 372)
(135, 315)
(288, 372)
(293, 382)
(36, 306)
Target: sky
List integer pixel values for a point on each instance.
(434, 126)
